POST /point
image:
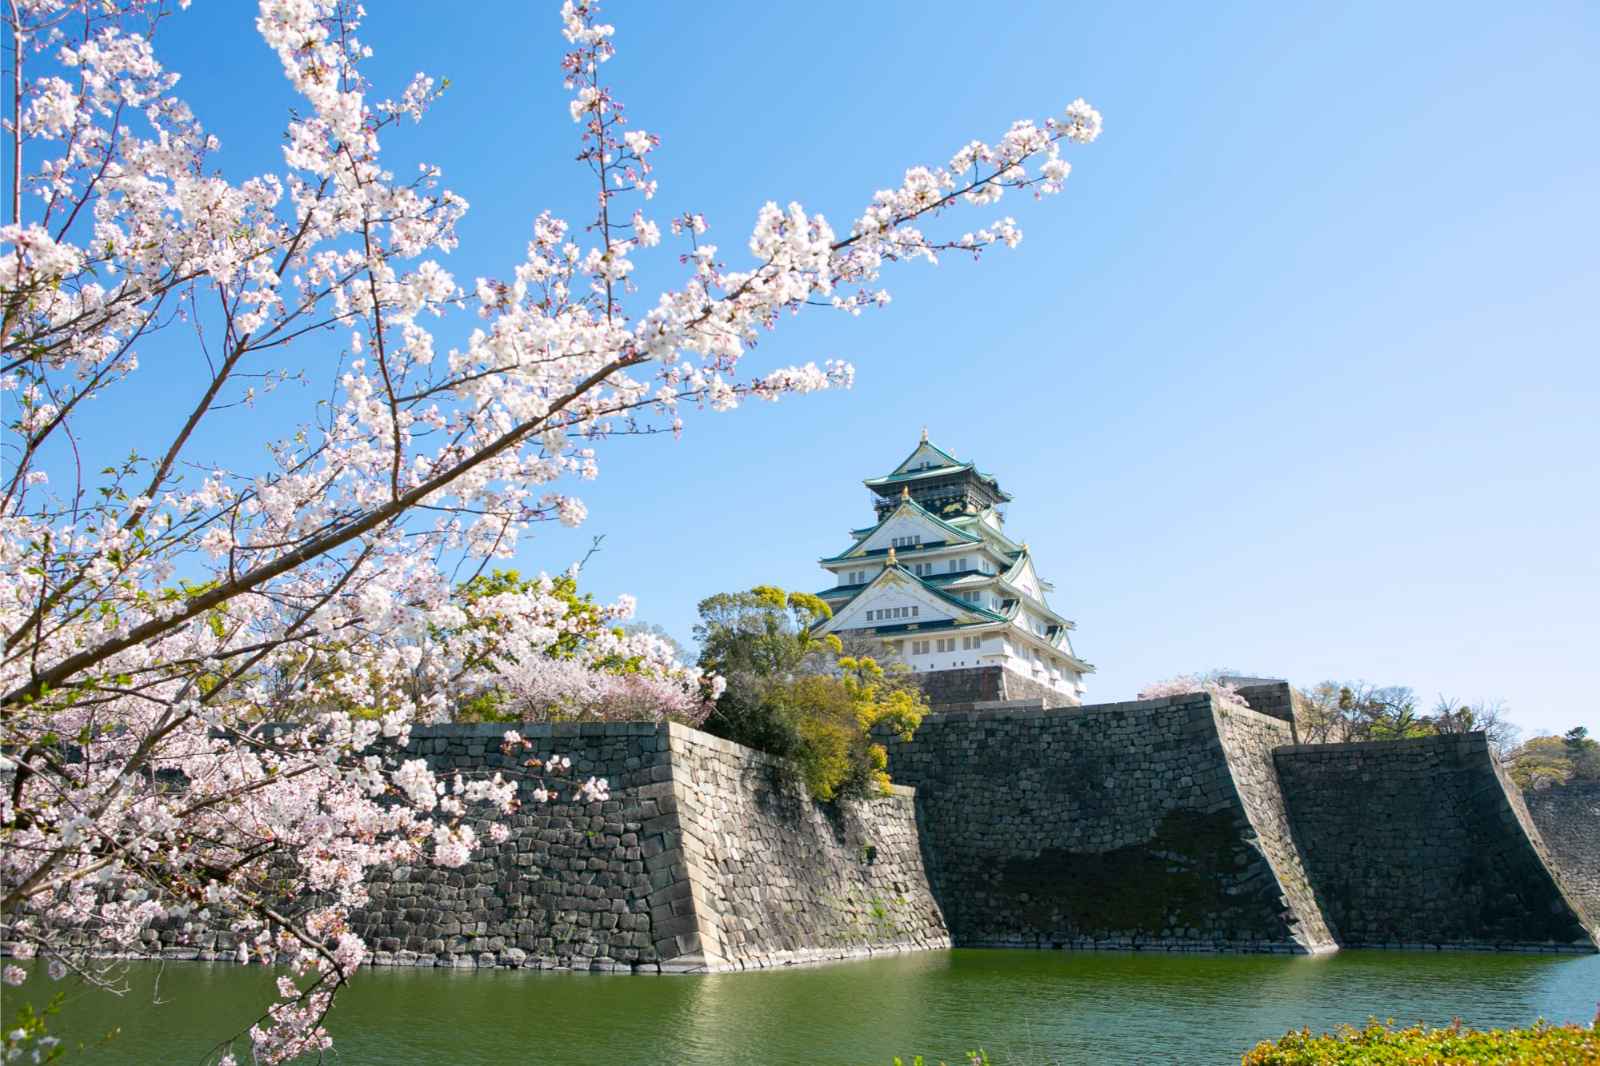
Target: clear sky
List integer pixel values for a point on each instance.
(1299, 375)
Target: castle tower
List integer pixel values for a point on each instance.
(937, 580)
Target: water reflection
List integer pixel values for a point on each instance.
(1024, 1007)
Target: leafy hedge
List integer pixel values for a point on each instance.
(1384, 1045)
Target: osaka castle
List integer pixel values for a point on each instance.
(938, 581)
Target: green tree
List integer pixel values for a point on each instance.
(791, 692)
(1485, 716)
(1546, 761)
(1583, 752)
(1388, 713)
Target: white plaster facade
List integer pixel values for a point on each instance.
(950, 591)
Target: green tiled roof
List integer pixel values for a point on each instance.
(912, 475)
(937, 580)
(917, 628)
(983, 529)
(948, 598)
(955, 601)
(926, 443)
(963, 534)
(952, 466)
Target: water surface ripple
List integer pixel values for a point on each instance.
(1026, 1007)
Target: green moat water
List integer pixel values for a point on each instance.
(1024, 1007)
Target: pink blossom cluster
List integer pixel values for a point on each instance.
(547, 660)
(1222, 692)
(160, 611)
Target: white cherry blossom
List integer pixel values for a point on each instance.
(210, 672)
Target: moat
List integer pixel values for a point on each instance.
(1024, 1007)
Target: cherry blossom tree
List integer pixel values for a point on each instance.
(508, 667)
(184, 638)
(1225, 693)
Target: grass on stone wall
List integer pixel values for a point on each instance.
(1379, 1044)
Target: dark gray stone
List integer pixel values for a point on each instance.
(1568, 818)
(1425, 842)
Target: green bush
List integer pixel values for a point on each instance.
(1382, 1045)
(793, 693)
(824, 724)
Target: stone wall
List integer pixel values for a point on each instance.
(1273, 698)
(1115, 826)
(1172, 824)
(1248, 740)
(583, 887)
(1013, 686)
(983, 684)
(706, 857)
(976, 684)
(1424, 843)
(1568, 818)
(776, 878)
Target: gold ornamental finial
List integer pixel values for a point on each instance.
(924, 434)
(892, 560)
(1024, 545)
(905, 492)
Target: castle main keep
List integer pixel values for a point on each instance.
(938, 581)
(1020, 817)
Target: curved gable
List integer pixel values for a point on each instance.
(925, 456)
(904, 599)
(907, 527)
(1024, 578)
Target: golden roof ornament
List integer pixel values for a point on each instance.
(905, 492)
(892, 560)
(924, 434)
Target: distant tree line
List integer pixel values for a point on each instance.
(1332, 712)
(1545, 761)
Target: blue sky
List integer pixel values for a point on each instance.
(1298, 376)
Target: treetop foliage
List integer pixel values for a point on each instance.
(794, 693)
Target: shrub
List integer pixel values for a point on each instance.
(792, 693)
(824, 724)
(1381, 1045)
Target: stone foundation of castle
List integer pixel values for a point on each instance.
(1174, 824)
